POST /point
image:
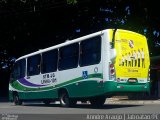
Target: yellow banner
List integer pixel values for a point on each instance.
(132, 58)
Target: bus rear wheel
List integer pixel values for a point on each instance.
(65, 101)
(47, 102)
(98, 101)
(16, 100)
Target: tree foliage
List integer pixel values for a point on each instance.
(72, 1)
(27, 26)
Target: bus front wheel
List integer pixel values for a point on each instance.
(16, 100)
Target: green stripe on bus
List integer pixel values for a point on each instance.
(18, 86)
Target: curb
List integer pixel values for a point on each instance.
(138, 102)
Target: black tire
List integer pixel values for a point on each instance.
(134, 96)
(16, 100)
(65, 101)
(98, 101)
(83, 101)
(47, 102)
(73, 102)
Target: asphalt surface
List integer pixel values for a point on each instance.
(122, 108)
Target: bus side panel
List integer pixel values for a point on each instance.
(50, 94)
(32, 88)
(83, 81)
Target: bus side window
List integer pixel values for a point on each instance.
(16, 71)
(33, 65)
(90, 51)
(49, 59)
(19, 69)
(68, 57)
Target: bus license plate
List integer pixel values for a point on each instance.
(132, 80)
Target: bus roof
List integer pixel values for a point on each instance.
(63, 44)
(73, 41)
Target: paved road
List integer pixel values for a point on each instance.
(38, 108)
(41, 111)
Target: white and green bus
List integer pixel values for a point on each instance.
(90, 68)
